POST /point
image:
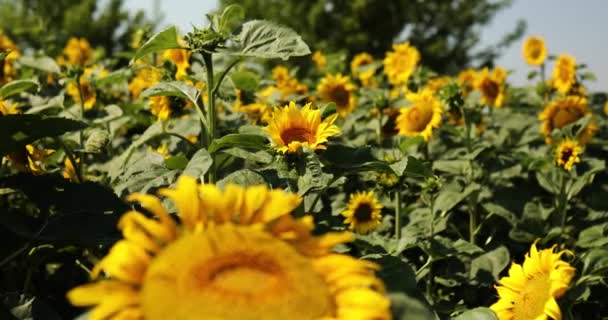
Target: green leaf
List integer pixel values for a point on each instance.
(178, 162)
(248, 141)
(18, 130)
(549, 180)
(3, 55)
(328, 110)
(351, 159)
(199, 164)
(411, 167)
(17, 86)
(112, 112)
(83, 212)
(268, 40)
(448, 199)
(588, 76)
(477, 314)
(409, 142)
(230, 19)
(594, 236)
(113, 77)
(243, 178)
(532, 74)
(245, 80)
(43, 63)
(97, 140)
(487, 267)
(595, 261)
(406, 307)
(173, 89)
(314, 178)
(396, 274)
(166, 39)
(586, 178)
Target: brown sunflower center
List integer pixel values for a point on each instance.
(340, 96)
(490, 89)
(297, 134)
(566, 154)
(565, 116)
(532, 299)
(363, 213)
(419, 117)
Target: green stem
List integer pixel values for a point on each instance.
(398, 214)
(379, 129)
(472, 221)
(81, 95)
(561, 203)
(542, 72)
(211, 111)
(318, 197)
(70, 155)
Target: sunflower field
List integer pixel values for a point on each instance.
(202, 176)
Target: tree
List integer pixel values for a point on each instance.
(445, 32)
(42, 24)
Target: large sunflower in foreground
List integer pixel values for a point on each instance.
(492, 86)
(421, 117)
(534, 51)
(564, 111)
(568, 153)
(363, 212)
(234, 254)
(340, 90)
(291, 129)
(564, 73)
(530, 290)
(400, 63)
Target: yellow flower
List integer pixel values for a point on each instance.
(77, 52)
(564, 111)
(88, 92)
(291, 129)
(145, 78)
(320, 60)
(436, 84)
(257, 112)
(491, 86)
(387, 179)
(280, 74)
(531, 289)
(606, 108)
(361, 68)
(466, 79)
(340, 90)
(567, 153)
(7, 68)
(160, 106)
(162, 150)
(29, 159)
(70, 172)
(235, 253)
(286, 86)
(421, 117)
(400, 63)
(181, 59)
(534, 51)
(564, 73)
(8, 108)
(363, 213)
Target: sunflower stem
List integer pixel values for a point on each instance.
(70, 155)
(81, 95)
(561, 203)
(542, 72)
(211, 112)
(398, 214)
(379, 128)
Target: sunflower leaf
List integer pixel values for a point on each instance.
(17, 86)
(166, 39)
(268, 40)
(477, 314)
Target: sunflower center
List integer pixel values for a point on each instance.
(340, 96)
(363, 213)
(297, 134)
(418, 117)
(233, 272)
(491, 89)
(532, 299)
(565, 116)
(566, 155)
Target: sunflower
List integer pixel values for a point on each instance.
(363, 212)
(491, 85)
(286, 86)
(567, 153)
(362, 67)
(88, 92)
(29, 159)
(421, 117)
(7, 68)
(181, 59)
(466, 79)
(564, 111)
(234, 254)
(400, 63)
(606, 108)
(319, 60)
(534, 51)
(145, 78)
(257, 112)
(530, 290)
(6, 107)
(436, 84)
(340, 90)
(77, 52)
(564, 73)
(70, 171)
(160, 106)
(291, 129)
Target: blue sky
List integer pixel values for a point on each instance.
(573, 27)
